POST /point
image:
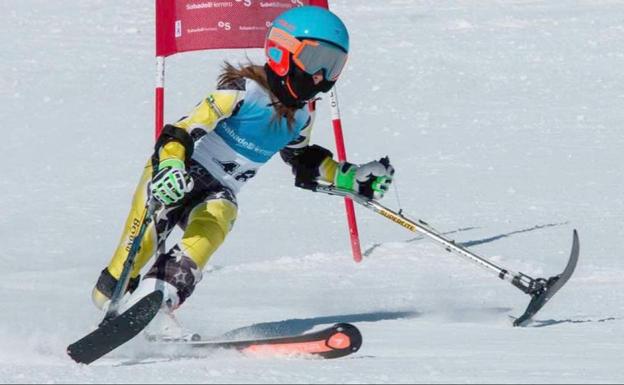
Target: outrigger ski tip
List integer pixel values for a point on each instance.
(544, 289)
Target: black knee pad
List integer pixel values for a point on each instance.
(177, 269)
(106, 283)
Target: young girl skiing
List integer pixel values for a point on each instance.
(202, 161)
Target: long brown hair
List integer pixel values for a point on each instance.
(231, 74)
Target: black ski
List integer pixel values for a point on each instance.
(336, 341)
(546, 289)
(115, 332)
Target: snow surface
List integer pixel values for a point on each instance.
(503, 119)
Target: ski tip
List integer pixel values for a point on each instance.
(574, 254)
(345, 339)
(353, 332)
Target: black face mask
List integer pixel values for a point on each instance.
(303, 85)
(296, 82)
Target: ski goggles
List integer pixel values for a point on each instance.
(312, 56)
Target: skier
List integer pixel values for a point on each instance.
(201, 161)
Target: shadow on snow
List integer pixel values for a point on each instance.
(552, 322)
(371, 249)
(298, 325)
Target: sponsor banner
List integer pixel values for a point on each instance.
(190, 25)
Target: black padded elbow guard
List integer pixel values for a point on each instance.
(306, 163)
(171, 132)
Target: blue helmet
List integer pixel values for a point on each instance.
(303, 42)
(311, 22)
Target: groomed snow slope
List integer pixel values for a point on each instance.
(503, 120)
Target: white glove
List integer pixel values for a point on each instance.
(371, 179)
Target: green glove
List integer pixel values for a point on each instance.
(371, 180)
(171, 182)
